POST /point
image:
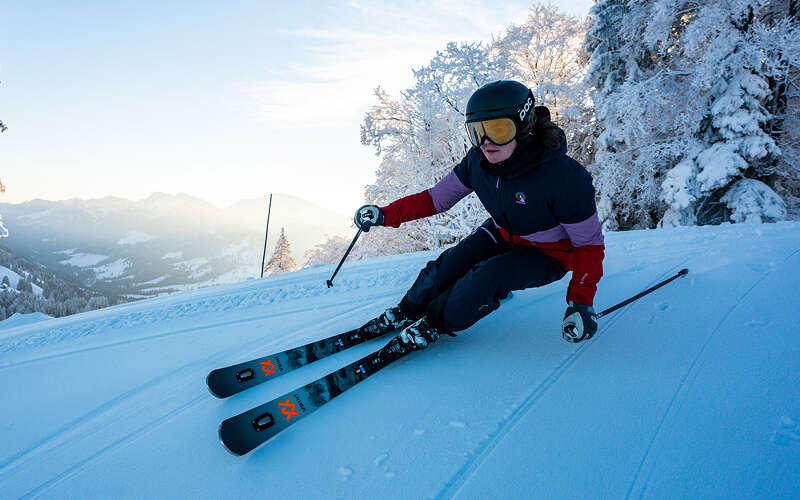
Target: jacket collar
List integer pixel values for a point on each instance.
(525, 158)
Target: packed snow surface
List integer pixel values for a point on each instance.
(692, 391)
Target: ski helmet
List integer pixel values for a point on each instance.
(499, 110)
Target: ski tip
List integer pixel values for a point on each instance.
(210, 389)
(683, 272)
(222, 440)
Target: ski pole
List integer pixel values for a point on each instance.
(638, 296)
(330, 281)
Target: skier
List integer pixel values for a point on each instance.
(543, 223)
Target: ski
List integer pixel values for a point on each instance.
(230, 380)
(244, 432)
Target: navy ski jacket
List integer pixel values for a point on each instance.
(545, 201)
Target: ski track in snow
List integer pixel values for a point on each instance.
(137, 401)
(296, 288)
(478, 455)
(788, 432)
(86, 462)
(643, 468)
(181, 331)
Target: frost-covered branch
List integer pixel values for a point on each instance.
(692, 100)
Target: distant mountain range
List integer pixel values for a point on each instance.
(163, 243)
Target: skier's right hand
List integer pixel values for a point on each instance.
(368, 216)
(579, 323)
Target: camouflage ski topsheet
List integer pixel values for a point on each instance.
(225, 382)
(242, 433)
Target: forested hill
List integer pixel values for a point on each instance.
(33, 288)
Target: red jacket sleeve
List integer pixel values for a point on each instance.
(587, 262)
(586, 272)
(440, 198)
(408, 208)
(575, 211)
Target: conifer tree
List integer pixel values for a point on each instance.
(24, 285)
(282, 260)
(683, 135)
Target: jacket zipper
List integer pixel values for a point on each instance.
(506, 221)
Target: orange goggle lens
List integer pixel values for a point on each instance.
(499, 130)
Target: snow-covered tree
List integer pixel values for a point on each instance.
(750, 200)
(546, 53)
(778, 32)
(740, 58)
(328, 252)
(24, 285)
(680, 92)
(643, 111)
(281, 260)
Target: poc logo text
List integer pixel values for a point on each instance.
(524, 111)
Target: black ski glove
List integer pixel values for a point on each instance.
(579, 323)
(368, 216)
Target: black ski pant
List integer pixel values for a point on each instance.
(466, 282)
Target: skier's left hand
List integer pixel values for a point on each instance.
(579, 323)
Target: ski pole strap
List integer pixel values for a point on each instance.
(624, 303)
(330, 281)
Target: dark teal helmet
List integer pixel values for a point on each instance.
(500, 99)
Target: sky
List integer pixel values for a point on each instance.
(223, 101)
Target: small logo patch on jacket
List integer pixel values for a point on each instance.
(520, 199)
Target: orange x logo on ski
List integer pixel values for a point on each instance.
(268, 367)
(288, 408)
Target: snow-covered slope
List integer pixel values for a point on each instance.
(693, 391)
(13, 280)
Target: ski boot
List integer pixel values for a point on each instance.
(419, 335)
(391, 320)
(415, 337)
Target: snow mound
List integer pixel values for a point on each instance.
(19, 319)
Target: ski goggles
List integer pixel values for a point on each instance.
(500, 131)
